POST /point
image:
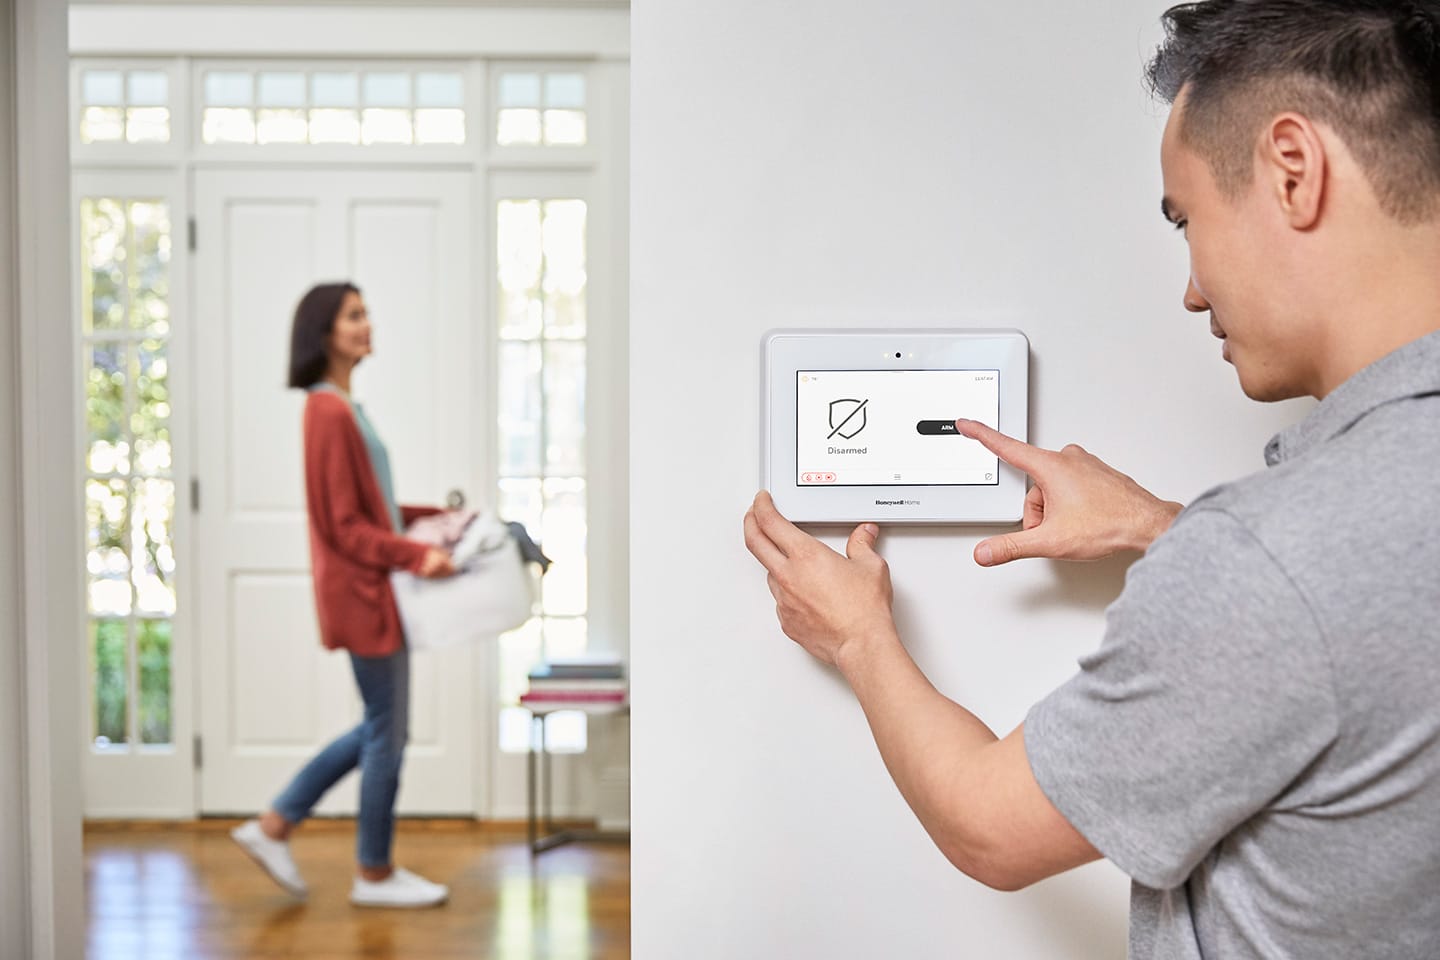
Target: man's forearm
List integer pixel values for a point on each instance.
(1155, 522)
(931, 745)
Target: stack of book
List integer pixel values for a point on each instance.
(597, 680)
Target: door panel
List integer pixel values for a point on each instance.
(270, 696)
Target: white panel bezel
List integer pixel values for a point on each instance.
(786, 352)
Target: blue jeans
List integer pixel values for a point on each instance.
(376, 746)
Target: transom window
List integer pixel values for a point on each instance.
(124, 106)
(358, 107)
(541, 109)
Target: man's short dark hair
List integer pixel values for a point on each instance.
(1370, 69)
(314, 321)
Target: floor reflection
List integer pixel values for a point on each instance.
(187, 892)
(543, 914)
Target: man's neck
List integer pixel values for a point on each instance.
(1351, 355)
(1391, 306)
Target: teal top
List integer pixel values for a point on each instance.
(379, 457)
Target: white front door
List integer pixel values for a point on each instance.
(270, 696)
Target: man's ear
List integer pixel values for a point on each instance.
(1292, 165)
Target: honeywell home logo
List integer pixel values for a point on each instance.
(897, 503)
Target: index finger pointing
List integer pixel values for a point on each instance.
(1017, 453)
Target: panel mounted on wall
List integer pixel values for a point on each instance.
(859, 425)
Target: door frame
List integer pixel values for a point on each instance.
(44, 880)
(478, 41)
(46, 885)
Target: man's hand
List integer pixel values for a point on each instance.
(1079, 508)
(823, 600)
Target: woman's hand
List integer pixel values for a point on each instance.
(437, 564)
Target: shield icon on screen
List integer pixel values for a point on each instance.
(847, 418)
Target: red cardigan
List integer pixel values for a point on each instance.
(353, 546)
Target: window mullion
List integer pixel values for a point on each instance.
(544, 425)
(132, 676)
(132, 487)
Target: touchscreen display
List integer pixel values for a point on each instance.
(876, 428)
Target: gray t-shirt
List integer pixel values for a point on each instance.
(1257, 740)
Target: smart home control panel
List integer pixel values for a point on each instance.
(860, 424)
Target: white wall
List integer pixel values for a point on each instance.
(917, 163)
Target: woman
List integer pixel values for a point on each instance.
(355, 541)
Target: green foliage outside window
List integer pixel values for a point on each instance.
(154, 650)
(111, 680)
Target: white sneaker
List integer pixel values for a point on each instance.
(401, 889)
(272, 855)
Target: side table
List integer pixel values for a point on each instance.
(539, 785)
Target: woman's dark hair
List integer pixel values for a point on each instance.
(1370, 69)
(314, 321)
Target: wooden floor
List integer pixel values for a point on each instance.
(166, 892)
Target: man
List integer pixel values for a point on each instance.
(1257, 740)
